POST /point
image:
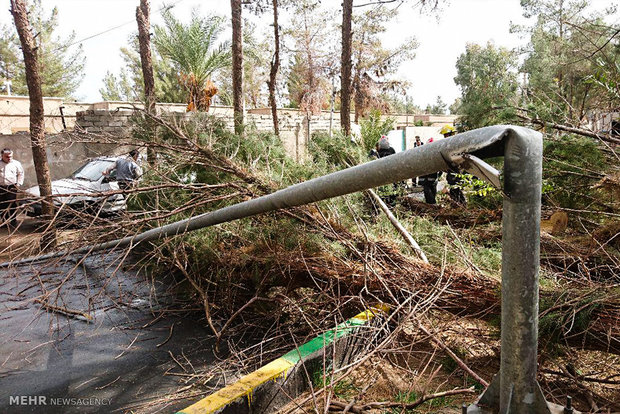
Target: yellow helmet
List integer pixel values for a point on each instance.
(447, 129)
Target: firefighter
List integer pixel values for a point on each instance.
(388, 193)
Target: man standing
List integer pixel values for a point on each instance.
(127, 170)
(11, 178)
(417, 142)
(429, 181)
(385, 149)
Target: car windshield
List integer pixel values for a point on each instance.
(92, 170)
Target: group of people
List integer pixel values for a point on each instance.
(12, 178)
(429, 181)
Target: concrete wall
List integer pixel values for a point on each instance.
(425, 133)
(15, 114)
(295, 128)
(602, 121)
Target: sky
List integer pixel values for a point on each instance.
(105, 25)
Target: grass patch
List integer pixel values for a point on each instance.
(344, 389)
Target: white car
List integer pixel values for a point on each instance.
(85, 181)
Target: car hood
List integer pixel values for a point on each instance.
(69, 186)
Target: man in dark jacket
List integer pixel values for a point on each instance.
(429, 184)
(386, 192)
(429, 181)
(453, 178)
(384, 147)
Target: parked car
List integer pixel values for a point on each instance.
(81, 184)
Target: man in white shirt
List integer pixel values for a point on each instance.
(11, 178)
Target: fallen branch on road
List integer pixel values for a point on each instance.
(82, 316)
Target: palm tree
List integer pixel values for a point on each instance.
(194, 51)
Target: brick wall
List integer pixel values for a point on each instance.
(99, 121)
(294, 128)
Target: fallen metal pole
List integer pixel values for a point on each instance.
(515, 389)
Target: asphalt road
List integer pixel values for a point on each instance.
(119, 361)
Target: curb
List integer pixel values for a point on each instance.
(260, 391)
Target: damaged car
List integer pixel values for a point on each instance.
(81, 192)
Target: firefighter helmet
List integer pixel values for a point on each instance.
(447, 129)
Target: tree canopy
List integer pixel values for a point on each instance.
(61, 62)
(488, 81)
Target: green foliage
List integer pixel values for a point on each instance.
(488, 85)
(183, 49)
(10, 60)
(479, 192)
(374, 65)
(606, 76)
(570, 62)
(341, 389)
(413, 396)
(310, 66)
(438, 108)
(61, 64)
(184, 54)
(372, 129)
(336, 152)
(571, 320)
(193, 47)
(568, 161)
(118, 88)
(129, 84)
(256, 64)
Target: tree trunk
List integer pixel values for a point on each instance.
(357, 96)
(275, 65)
(37, 121)
(237, 65)
(143, 14)
(144, 28)
(345, 78)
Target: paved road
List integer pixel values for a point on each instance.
(50, 362)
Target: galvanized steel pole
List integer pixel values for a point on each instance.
(517, 388)
(520, 265)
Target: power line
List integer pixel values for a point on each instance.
(164, 6)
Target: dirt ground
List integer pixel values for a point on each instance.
(20, 242)
(413, 367)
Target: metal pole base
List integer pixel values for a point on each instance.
(476, 409)
(488, 403)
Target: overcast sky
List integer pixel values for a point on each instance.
(442, 37)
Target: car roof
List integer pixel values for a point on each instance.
(103, 159)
